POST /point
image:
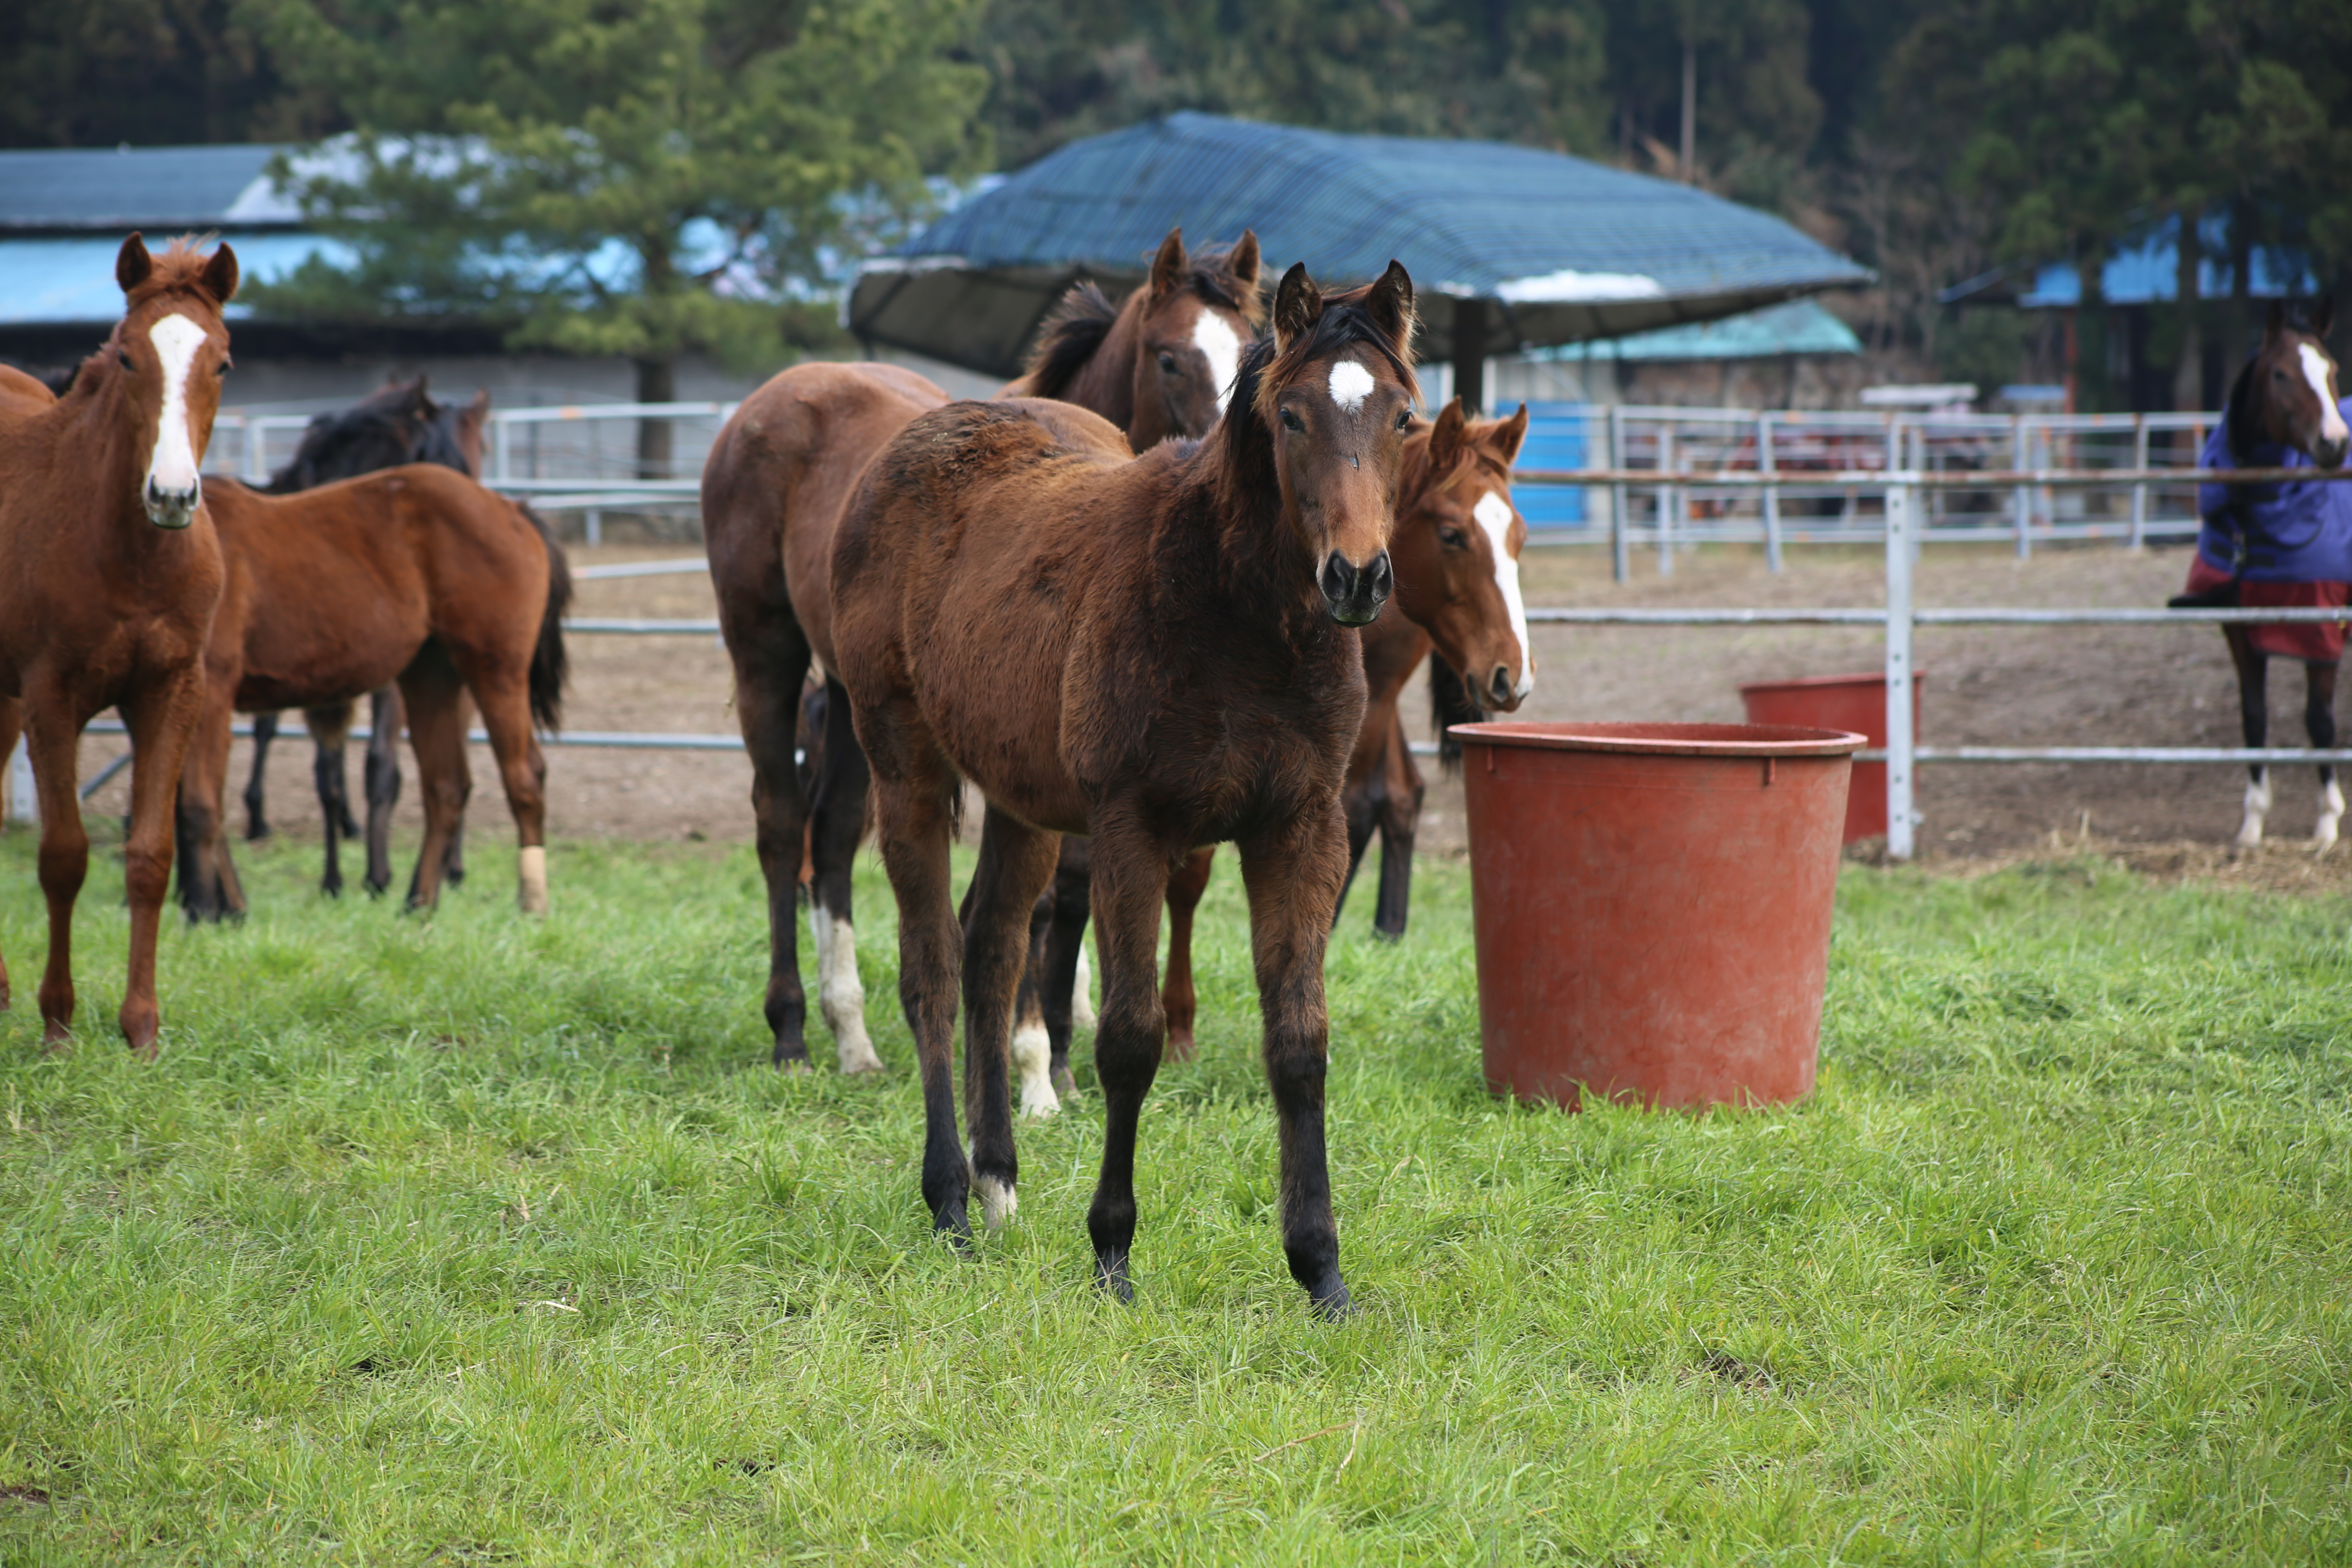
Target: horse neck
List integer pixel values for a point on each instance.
(90, 436)
(1105, 385)
(1259, 564)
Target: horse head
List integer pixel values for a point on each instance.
(1191, 320)
(168, 354)
(1333, 397)
(1456, 548)
(2286, 394)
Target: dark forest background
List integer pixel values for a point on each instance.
(1930, 138)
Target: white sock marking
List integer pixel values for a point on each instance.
(1033, 1057)
(2331, 814)
(1494, 515)
(1350, 385)
(2258, 805)
(1082, 995)
(997, 1202)
(840, 994)
(172, 471)
(2331, 417)
(532, 864)
(1221, 347)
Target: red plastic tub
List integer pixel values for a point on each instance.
(1855, 702)
(1653, 906)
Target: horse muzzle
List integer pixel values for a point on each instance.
(1503, 695)
(171, 508)
(2330, 453)
(1355, 594)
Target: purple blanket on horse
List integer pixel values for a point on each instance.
(2290, 533)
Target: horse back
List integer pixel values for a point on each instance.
(781, 473)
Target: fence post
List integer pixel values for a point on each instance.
(1767, 464)
(2021, 501)
(1900, 741)
(24, 804)
(256, 459)
(2139, 491)
(501, 448)
(1667, 500)
(1621, 551)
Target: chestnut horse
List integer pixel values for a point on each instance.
(773, 492)
(1456, 549)
(400, 422)
(2265, 545)
(110, 574)
(416, 574)
(1159, 652)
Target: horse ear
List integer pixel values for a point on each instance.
(2322, 320)
(1446, 438)
(131, 263)
(1243, 263)
(220, 274)
(2275, 322)
(1503, 438)
(1168, 266)
(1390, 304)
(1297, 303)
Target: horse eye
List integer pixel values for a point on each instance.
(222, 368)
(1168, 364)
(1290, 421)
(1451, 537)
(1405, 417)
(125, 360)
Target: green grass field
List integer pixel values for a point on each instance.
(459, 1240)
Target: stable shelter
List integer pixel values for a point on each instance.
(1511, 248)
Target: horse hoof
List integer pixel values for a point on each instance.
(1064, 1083)
(791, 1059)
(1332, 1302)
(855, 1063)
(998, 1203)
(1110, 1278)
(1180, 1046)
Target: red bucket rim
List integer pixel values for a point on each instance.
(1666, 739)
(1808, 682)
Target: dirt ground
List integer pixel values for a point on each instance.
(1984, 686)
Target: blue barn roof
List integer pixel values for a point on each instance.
(1569, 250)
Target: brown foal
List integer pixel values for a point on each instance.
(1157, 651)
(110, 574)
(772, 492)
(415, 573)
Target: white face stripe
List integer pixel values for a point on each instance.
(1221, 347)
(1494, 515)
(1350, 385)
(2315, 371)
(172, 469)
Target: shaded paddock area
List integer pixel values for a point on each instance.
(459, 1239)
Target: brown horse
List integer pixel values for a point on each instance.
(1159, 652)
(1456, 549)
(2280, 545)
(400, 422)
(416, 574)
(109, 573)
(773, 492)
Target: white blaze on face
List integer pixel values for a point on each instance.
(1494, 515)
(172, 469)
(1221, 347)
(1350, 385)
(2331, 417)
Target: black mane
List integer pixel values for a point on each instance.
(1072, 334)
(399, 425)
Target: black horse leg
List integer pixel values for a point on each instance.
(1065, 944)
(2319, 720)
(1399, 820)
(2254, 714)
(265, 729)
(380, 776)
(326, 769)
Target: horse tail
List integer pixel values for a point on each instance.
(551, 666)
(1449, 704)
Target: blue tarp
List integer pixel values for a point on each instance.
(1567, 249)
(2298, 532)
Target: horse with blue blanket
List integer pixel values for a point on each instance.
(2283, 545)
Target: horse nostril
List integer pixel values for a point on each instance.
(1502, 686)
(1383, 577)
(1338, 579)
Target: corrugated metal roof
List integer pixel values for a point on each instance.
(57, 282)
(1570, 249)
(152, 188)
